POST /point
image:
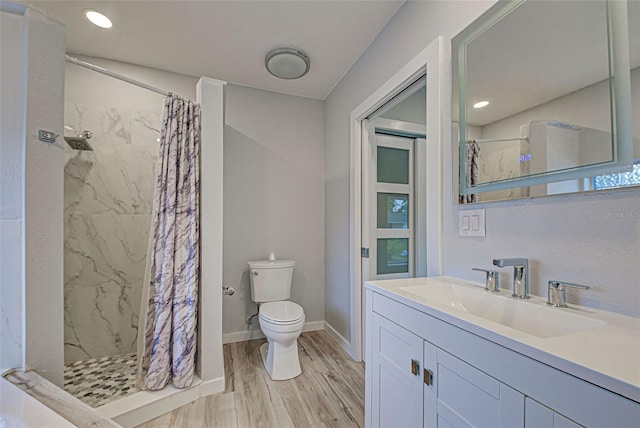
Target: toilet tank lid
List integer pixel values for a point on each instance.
(266, 264)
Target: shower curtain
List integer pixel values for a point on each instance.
(167, 351)
(473, 155)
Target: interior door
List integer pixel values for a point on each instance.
(391, 207)
(393, 245)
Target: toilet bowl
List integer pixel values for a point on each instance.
(281, 322)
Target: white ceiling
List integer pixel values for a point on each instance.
(539, 52)
(228, 40)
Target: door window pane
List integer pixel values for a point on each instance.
(393, 211)
(393, 165)
(393, 255)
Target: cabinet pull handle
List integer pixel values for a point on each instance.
(428, 377)
(415, 367)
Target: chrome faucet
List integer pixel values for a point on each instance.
(520, 275)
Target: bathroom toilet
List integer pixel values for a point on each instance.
(281, 321)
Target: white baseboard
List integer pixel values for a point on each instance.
(313, 326)
(211, 387)
(344, 344)
(243, 336)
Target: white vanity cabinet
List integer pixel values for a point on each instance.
(417, 384)
(397, 385)
(537, 415)
(459, 395)
(424, 371)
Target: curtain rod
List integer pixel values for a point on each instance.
(93, 67)
(497, 140)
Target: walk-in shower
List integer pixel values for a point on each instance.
(111, 134)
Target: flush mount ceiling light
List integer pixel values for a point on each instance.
(287, 63)
(98, 19)
(481, 104)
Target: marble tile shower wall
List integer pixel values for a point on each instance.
(498, 162)
(108, 196)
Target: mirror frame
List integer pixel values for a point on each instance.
(620, 89)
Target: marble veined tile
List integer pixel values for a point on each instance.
(500, 164)
(108, 124)
(114, 178)
(50, 396)
(100, 321)
(145, 129)
(11, 291)
(105, 249)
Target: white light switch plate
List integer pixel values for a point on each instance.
(471, 223)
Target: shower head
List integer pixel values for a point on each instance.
(78, 143)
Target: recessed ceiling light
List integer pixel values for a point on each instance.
(481, 104)
(98, 19)
(287, 63)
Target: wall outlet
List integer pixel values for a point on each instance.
(471, 223)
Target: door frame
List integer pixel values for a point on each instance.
(431, 60)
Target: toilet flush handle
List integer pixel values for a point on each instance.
(253, 272)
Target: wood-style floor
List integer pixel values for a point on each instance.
(328, 393)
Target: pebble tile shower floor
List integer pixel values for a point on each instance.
(99, 381)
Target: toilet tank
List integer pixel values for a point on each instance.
(271, 281)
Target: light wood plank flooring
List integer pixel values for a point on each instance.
(328, 393)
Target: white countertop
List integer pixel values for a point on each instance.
(608, 356)
(19, 409)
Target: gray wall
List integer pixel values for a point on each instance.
(413, 109)
(415, 25)
(591, 239)
(273, 198)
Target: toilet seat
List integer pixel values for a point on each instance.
(281, 313)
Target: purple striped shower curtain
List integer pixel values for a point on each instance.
(169, 345)
(473, 156)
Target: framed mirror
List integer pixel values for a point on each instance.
(542, 94)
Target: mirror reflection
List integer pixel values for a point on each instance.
(538, 98)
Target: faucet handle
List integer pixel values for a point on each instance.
(557, 292)
(492, 280)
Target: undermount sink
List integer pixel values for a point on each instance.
(530, 318)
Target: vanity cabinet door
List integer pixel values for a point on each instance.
(397, 376)
(460, 395)
(538, 416)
